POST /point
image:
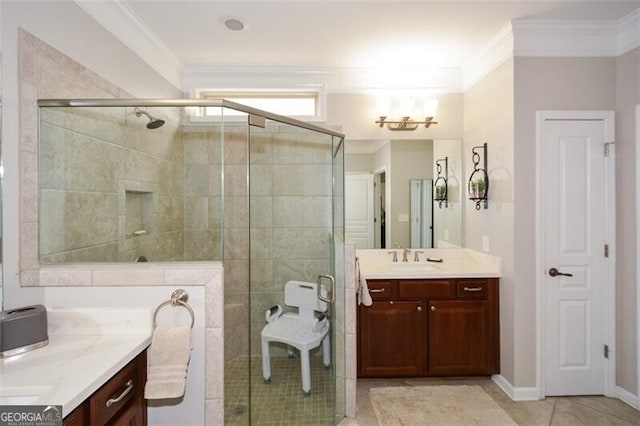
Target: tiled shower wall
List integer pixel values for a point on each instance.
(291, 191)
(203, 154)
(203, 191)
(46, 73)
(287, 236)
(104, 178)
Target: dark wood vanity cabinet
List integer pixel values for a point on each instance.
(120, 401)
(391, 343)
(429, 328)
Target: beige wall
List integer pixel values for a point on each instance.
(358, 163)
(447, 219)
(544, 84)
(628, 93)
(488, 117)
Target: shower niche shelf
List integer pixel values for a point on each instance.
(138, 213)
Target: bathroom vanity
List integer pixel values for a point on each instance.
(94, 367)
(430, 319)
(119, 401)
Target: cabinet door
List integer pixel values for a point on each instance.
(78, 417)
(133, 415)
(460, 338)
(391, 339)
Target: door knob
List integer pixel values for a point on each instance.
(553, 272)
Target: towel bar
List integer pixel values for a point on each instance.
(178, 298)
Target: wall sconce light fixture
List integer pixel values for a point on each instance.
(479, 180)
(440, 184)
(406, 122)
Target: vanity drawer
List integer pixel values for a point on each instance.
(381, 289)
(472, 289)
(114, 395)
(432, 289)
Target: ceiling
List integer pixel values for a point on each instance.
(390, 34)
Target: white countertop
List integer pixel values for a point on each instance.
(86, 348)
(456, 263)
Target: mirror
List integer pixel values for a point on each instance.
(385, 201)
(421, 213)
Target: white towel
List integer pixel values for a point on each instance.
(168, 362)
(362, 289)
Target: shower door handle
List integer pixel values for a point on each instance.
(331, 294)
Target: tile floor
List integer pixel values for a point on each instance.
(282, 401)
(582, 410)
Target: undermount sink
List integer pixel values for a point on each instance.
(21, 395)
(411, 267)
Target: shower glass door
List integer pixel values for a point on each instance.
(295, 233)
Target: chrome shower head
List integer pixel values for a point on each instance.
(153, 123)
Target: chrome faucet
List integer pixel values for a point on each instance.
(405, 252)
(415, 257)
(395, 255)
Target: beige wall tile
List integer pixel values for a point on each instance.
(132, 275)
(292, 180)
(214, 374)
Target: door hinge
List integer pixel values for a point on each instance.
(606, 148)
(606, 250)
(606, 351)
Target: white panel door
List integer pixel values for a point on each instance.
(358, 209)
(573, 192)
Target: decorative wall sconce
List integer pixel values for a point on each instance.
(406, 122)
(479, 180)
(440, 185)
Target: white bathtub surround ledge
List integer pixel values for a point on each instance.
(86, 348)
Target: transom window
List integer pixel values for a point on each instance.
(292, 104)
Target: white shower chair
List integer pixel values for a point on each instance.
(302, 330)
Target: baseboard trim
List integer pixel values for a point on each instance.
(627, 397)
(516, 394)
(533, 394)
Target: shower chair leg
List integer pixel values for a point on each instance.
(266, 362)
(326, 351)
(305, 368)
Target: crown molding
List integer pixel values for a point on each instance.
(497, 51)
(336, 80)
(564, 38)
(629, 32)
(577, 38)
(540, 38)
(121, 21)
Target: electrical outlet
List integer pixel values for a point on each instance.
(485, 243)
(403, 217)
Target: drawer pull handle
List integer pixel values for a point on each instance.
(473, 289)
(120, 397)
(376, 290)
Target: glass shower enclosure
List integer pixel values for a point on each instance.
(133, 180)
